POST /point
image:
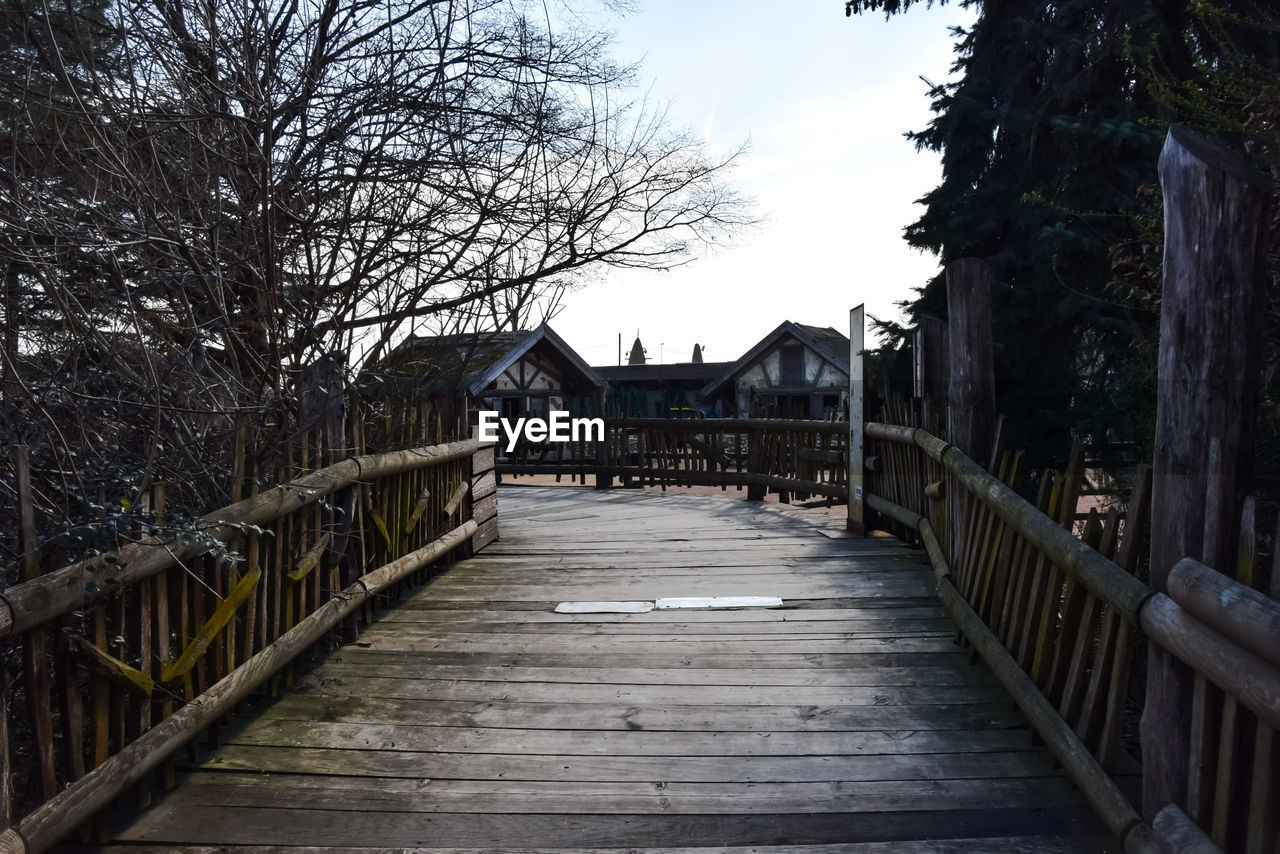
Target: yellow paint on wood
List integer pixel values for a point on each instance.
(212, 628)
(309, 560)
(107, 665)
(381, 525)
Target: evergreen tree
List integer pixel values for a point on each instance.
(1045, 140)
(1219, 74)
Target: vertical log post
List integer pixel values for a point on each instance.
(971, 397)
(6, 764)
(603, 481)
(930, 357)
(755, 463)
(971, 388)
(856, 521)
(12, 325)
(35, 647)
(1215, 217)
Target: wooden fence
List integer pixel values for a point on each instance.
(797, 459)
(130, 654)
(1057, 616)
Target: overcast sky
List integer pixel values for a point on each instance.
(823, 101)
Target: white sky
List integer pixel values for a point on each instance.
(824, 101)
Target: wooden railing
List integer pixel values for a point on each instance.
(130, 654)
(796, 459)
(1056, 617)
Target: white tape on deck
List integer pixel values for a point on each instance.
(604, 607)
(719, 602)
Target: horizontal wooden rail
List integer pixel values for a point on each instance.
(115, 647)
(721, 425)
(1251, 679)
(1237, 659)
(790, 457)
(1099, 575)
(732, 478)
(58, 593)
(1243, 614)
(1041, 598)
(1097, 786)
(1179, 834)
(81, 800)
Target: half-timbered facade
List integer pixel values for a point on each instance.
(527, 373)
(795, 371)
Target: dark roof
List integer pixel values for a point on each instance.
(827, 342)
(469, 362)
(830, 343)
(698, 372)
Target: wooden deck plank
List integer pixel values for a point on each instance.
(601, 694)
(181, 824)
(603, 774)
(728, 630)
(946, 669)
(472, 717)
(589, 742)
(659, 798)
(639, 588)
(626, 716)
(687, 623)
(989, 845)
(668, 658)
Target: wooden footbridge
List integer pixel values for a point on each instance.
(961, 686)
(472, 716)
(353, 660)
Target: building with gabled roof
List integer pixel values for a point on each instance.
(658, 391)
(795, 371)
(515, 373)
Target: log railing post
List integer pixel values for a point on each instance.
(971, 393)
(755, 463)
(971, 396)
(1215, 260)
(35, 646)
(604, 479)
(930, 360)
(856, 521)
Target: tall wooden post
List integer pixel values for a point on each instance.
(755, 463)
(930, 360)
(35, 645)
(1215, 250)
(603, 481)
(971, 392)
(856, 520)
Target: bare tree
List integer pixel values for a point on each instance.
(201, 198)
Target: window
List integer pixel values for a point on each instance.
(791, 364)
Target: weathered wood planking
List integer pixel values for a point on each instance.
(472, 716)
(1039, 844)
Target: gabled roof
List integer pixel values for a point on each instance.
(470, 362)
(691, 372)
(827, 342)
